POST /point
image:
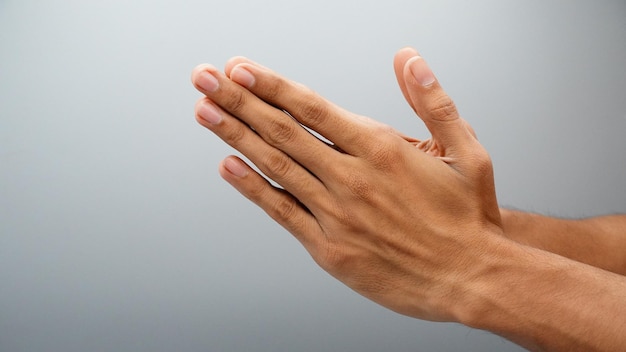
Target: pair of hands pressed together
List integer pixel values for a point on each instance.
(415, 225)
(396, 219)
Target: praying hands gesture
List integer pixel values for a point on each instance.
(412, 225)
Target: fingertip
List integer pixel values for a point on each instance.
(195, 72)
(207, 113)
(399, 64)
(234, 61)
(407, 51)
(420, 71)
(242, 75)
(202, 68)
(234, 166)
(204, 78)
(402, 56)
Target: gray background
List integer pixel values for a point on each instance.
(116, 233)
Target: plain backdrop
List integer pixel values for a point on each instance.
(116, 232)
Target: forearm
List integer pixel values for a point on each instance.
(599, 241)
(546, 302)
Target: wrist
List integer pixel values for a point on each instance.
(542, 301)
(478, 303)
(500, 299)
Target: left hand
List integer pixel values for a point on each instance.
(408, 227)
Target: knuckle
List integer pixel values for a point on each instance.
(284, 210)
(442, 108)
(346, 216)
(385, 156)
(281, 131)
(234, 135)
(359, 187)
(273, 89)
(256, 194)
(483, 162)
(278, 164)
(341, 258)
(335, 257)
(234, 102)
(480, 163)
(312, 110)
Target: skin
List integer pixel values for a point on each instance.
(412, 225)
(597, 241)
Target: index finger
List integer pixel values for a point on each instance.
(349, 132)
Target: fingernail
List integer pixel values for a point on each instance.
(422, 73)
(242, 76)
(235, 167)
(207, 81)
(209, 113)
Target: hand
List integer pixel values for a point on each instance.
(408, 227)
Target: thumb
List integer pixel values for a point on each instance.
(435, 107)
(399, 61)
